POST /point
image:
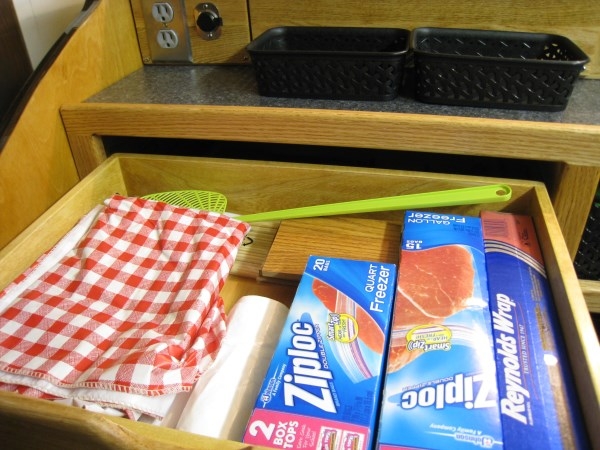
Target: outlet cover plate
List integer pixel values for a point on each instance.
(168, 40)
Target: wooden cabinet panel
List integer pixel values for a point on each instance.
(36, 164)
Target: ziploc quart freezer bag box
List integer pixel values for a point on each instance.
(440, 389)
(323, 386)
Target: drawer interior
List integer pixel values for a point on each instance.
(254, 186)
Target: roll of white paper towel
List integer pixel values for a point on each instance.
(222, 400)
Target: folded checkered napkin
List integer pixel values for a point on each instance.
(133, 307)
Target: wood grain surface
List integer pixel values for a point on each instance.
(36, 164)
(341, 237)
(573, 147)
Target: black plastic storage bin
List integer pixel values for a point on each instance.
(347, 63)
(587, 259)
(497, 69)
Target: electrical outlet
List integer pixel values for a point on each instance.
(167, 39)
(163, 12)
(166, 31)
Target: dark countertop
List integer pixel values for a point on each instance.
(236, 86)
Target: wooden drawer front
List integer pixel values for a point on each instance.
(253, 186)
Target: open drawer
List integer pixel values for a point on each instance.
(253, 186)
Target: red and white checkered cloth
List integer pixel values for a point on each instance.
(133, 307)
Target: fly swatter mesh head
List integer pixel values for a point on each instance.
(204, 200)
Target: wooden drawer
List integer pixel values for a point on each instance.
(253, 186)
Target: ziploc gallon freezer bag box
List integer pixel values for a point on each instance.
(323, 386)
(440, 388)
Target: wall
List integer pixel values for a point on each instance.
(43, 21)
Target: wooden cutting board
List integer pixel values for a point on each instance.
(352, 238)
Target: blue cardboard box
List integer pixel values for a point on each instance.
(323, 386)
(440, 386)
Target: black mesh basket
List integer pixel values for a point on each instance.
(496, 69)
(345, 63)
(587, 259)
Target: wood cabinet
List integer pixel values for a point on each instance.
(36, 164)
(104, 85)
(569, 141)
(252, 186)
(111, 32)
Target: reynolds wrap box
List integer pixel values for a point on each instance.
(322, 388)
(440, 388)
(537, 402)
